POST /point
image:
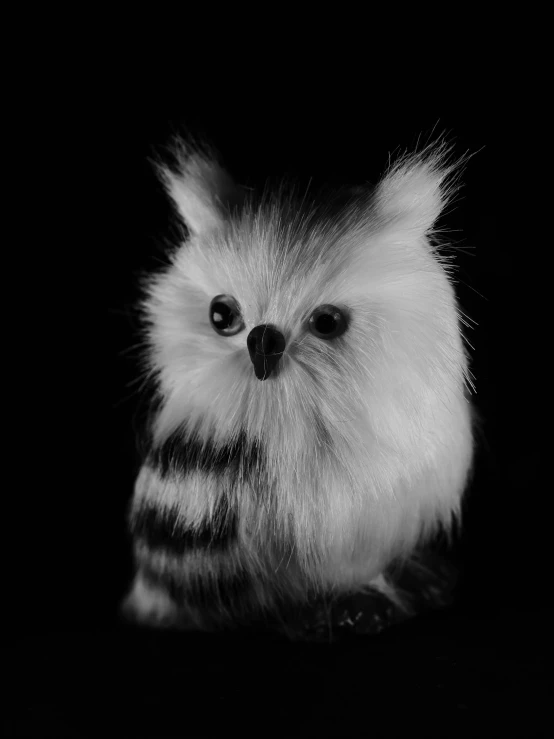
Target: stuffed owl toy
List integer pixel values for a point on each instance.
(311, 429)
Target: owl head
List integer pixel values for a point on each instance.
(325, 334)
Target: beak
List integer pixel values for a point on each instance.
(266, 346)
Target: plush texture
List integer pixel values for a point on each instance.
(284, 475)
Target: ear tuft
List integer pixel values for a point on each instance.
(200, 188)
(416, 188)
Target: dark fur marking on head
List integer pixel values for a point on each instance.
(162, 529)
(180, 454)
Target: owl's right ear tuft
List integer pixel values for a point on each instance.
(201, 189)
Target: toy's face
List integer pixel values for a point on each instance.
(253, 329)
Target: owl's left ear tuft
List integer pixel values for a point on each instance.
(201, 189)
(416, 189)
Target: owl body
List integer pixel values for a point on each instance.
(312, 429)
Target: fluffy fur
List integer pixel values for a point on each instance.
(315, 481)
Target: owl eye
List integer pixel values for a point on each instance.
(327, 322)
(225, 315)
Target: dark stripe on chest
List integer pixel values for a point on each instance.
(182, 455)
(161, 528)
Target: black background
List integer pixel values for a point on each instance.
(478, 666)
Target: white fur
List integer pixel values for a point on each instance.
(149, 604)
(368, 437)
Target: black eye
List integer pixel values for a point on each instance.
(327, 322)
(225, 315)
